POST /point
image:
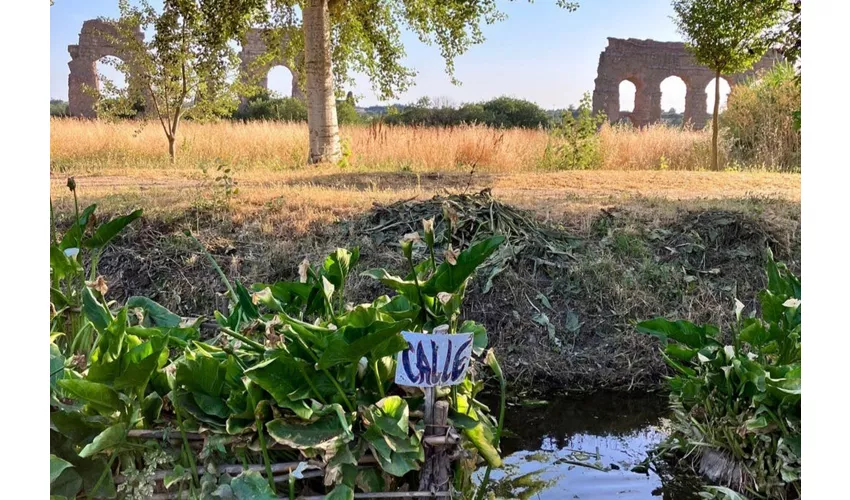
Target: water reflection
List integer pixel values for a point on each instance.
(581, 448)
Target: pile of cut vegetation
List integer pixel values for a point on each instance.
(472, 218)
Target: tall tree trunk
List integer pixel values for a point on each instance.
(714, 122)
(171, 152)
(321, 101)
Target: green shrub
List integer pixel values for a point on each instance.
(511, 112)
(762, 120)
(58, 107)
(502, 112)
(737, 405)
(347, 114)
(265, 106)
(574, 143)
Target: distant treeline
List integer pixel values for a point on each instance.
(499, 112)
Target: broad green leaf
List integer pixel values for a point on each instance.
(159, 315)
(391, 416)
(250, 485)
(408, 288)
(108, 439)
(399, 307)
(246, 302)
(108, 230)
(479, 335)
(57, 465)
(449, 278)
(95, 472)
(478, 437)
(72, 237)
(211, 405)
(338, 264)
(101, 397)
(680, 353)
(754, 333)
(201, 374)
(176, 475)
(62, 266)
(341, 492)
(186, 402)
(67, 484)
(307, 435)
(96, 312)
(348, 345)
(684, 332)
(76, 426)
(138, 371)
(151, 408)
(283, 377)
(462, 421)
(57, 364)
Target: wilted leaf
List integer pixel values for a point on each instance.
(307, 435)
(159, 315)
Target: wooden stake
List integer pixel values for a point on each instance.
(436, 471)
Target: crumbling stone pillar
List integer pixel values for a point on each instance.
(96, 41)
(696, 100)
(83, 75)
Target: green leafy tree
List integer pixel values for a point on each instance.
(338, 38)
(728, 36)
(511, 112)
(183, 70)
(574, 142)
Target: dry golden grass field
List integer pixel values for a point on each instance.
(94, 146)
(122, 164)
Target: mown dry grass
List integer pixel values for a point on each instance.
(81, 146)
(300, 199)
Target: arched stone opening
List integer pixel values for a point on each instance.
(627, 92)
(279, 81)
(725, 88)
(673, 91)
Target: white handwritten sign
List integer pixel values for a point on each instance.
(433, 359)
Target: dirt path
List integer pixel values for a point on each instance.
(660, 184)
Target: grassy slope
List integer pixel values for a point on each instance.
(678, 244)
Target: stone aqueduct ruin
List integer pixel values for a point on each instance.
(95, 42)
(645, 63)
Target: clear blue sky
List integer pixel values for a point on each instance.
(540, 52)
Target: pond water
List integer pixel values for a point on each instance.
(581, 448)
